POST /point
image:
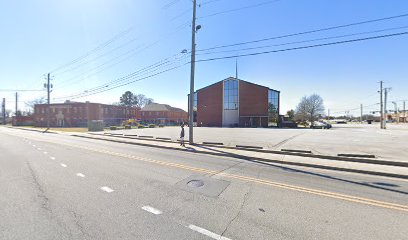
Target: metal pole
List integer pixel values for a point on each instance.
(381, 105)
(16, 103)
(385, 107)
(48, 100)
(405, 119)
(191, 96)
(361, 113)
(3, 110)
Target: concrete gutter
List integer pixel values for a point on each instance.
(255, 159)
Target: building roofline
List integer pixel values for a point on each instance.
(228, 78)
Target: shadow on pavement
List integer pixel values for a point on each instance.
(376, 185)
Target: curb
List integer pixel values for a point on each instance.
(34, 130)
(297, 153)
(257, 159)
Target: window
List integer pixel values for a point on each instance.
(231, 95)
(273, 107)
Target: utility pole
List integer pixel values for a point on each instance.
(16, 103)
(405, 119)
(361, 113)
(49, 87)
(3, 110)
(381, 105)
(385, 106)
(191, 97)
(328, 114)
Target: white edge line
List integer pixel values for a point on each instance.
(107, 189)
(207, 233)
(63, 165)
(152, 210)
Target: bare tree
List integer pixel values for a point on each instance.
(142, 100)
(309, 109)
(31, 104)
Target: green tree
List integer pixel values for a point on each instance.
(291, 114)
(128, 99)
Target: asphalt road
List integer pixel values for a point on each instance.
(61, 187)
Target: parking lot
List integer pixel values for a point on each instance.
(348, 138)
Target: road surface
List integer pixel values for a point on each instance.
(54, 186)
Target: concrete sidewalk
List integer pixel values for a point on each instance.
(258, 156)
(389, 144)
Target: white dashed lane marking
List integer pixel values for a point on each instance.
(207, 233)
(80, 175)
(107, 189)
(152, 210)
(63, 165)
(52, 158)
(45, 153)
(39, 149)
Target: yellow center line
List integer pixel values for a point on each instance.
(334, 195)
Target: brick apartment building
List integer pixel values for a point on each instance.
(233, 102)
(163, 114)
(77, 114)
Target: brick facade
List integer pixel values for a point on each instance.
(252, 105)
(163, 114)
(209, 105)
(76, 114)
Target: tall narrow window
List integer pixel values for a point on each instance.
(231, 95)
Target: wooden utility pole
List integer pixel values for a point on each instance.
(191, 96)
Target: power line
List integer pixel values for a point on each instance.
(304, 41)
(121, 58)
(207, 2)
(304, 47)
(132, 80)
(239, 9)
(307, 32)
(154, 67)
(99, 47)
(20, 90)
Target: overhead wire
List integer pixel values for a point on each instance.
(96, 49)
(306, 32)
(239, 9)
(304, 41)
(304, 47)
(121, 58)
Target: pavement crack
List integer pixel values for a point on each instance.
(245, 199)
(40, 191)
(79, 225)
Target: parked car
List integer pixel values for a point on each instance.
(320, 125)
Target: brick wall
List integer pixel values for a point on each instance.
(209, 107)
(253, 100)
(78, 114)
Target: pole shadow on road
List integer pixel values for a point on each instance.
(376, 185)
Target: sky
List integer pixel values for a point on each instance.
(85, 44)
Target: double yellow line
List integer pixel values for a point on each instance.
(344, 197)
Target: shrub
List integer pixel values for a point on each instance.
(152, 126)
(128, 127)
(140, 126)
(161, 125)
(113, 128)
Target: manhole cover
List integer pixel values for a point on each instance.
(195, 183)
